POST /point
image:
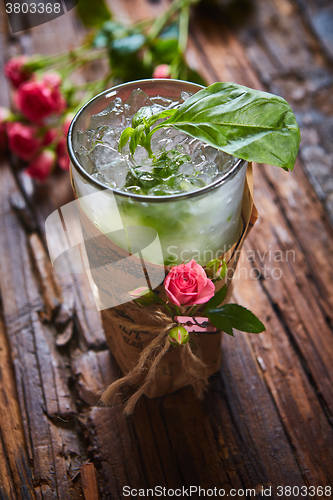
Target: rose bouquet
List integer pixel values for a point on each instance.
(45, 96)
(35, 131)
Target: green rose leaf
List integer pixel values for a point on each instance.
(246, 123)
(217, 299)
(221, 322)
(239, 317)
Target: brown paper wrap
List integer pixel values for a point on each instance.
(137, 337)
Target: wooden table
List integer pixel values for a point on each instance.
(267, 417)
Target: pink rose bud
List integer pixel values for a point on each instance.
(23, 140)
(62, 155)
(162, 71)
(187, 284)
(15, 71)
(52, 79)
(179, 335)
(41, 166)
(138, 292)
(39, 99)
(217, 268)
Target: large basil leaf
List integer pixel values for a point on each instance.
(246, 123)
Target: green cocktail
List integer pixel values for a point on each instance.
(189, 193)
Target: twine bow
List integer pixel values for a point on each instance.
(145, 371)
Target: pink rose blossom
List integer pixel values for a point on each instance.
(39, 99)
(50, 136)
(62, 155)
(187, 284)
(41, 166)
(52, 79)
(162, 71)
(23, 140)
(15, 72)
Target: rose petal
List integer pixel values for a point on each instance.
(206, 293)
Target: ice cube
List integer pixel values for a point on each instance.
(209, 152)
(164, 102)
(185, 95)
(140, 155)
(187, 168)
(102, 155)
(113, 115)
(197, 155)
(137, 100)
(209, 173)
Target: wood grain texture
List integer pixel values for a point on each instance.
(89, 483)
(267, 417)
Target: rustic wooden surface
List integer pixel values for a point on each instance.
(267, 417)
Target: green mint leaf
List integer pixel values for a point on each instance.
(125, 137)
(146, 116)
(243, 122)
(141, 123)
(217, 299)
(138, 137)
(238, 316)
(143, 114)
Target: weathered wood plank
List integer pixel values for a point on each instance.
(41, 375)
(89, 483)
(15, 474)
(289, 210)
(290, 60)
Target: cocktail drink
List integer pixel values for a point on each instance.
(159, 172)
(187, 193)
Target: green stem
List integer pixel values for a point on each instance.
(162, 20)
(184, 19)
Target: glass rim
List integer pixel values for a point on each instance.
(140, 197)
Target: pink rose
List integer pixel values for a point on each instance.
(162, 71)
(41, 166)
(52, 79)
(50, 136)
(15, 72)
(62, 155)
(39, 99)
(23, 140)
(187, 284)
